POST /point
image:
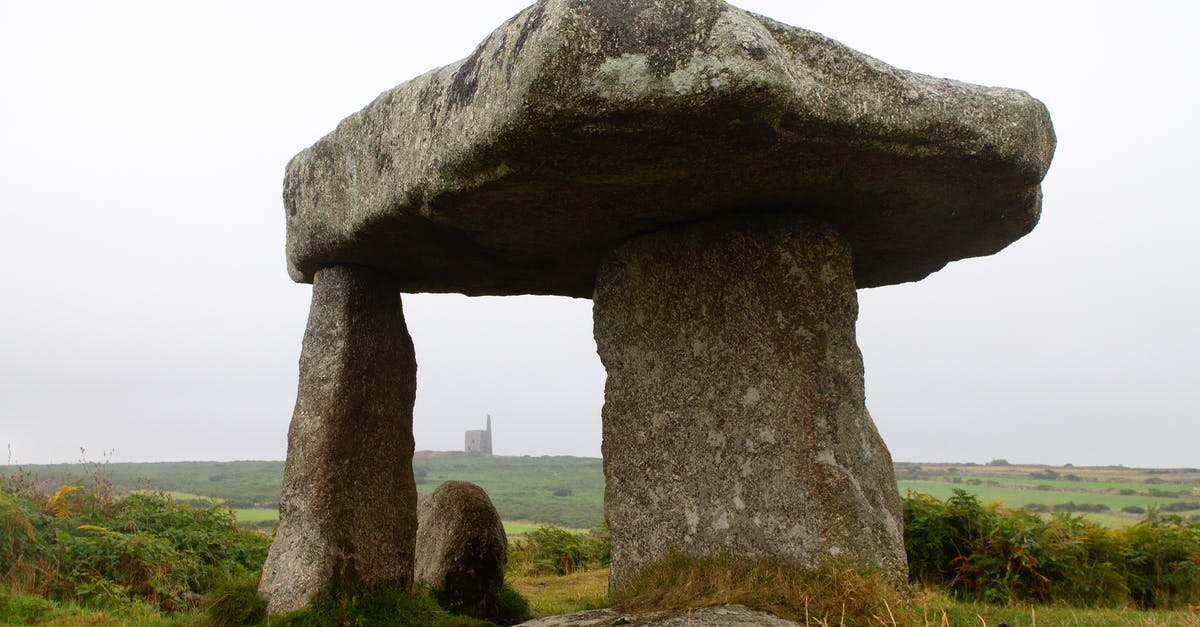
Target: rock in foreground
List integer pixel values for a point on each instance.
(461, 546)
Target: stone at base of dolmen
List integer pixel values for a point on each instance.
(347, 512)
(734, 416)
(462, 548)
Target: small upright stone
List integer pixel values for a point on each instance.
(461, 546)
(347, 512)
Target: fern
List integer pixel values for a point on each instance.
(57, 505)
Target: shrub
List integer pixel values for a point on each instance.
(16, 532)
(105, 568)
(936, 533)
(24, 609)
(550, 550)
(989, 554)
(1072, 506)
(1162, 558)
(89, 546)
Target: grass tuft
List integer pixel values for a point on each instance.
(24, 609)
(501, 605)
(835, 594)
(236, 602)
(388, 606)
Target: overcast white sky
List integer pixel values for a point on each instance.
(145, 308)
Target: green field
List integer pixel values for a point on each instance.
(569, 491)
(1109, 489)
(564, 491)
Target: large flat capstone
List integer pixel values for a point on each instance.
(577, 125)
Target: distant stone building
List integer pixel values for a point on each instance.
(480, 441)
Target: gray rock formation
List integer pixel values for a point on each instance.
(723, 615)
(577, 125)
(461, 545)
(347, 512)
(734, 412)
(608, 148)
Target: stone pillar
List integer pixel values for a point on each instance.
(347, 512)
(734, 415)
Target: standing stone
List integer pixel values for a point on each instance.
(461, 546)
(734, 416)
(347, 512)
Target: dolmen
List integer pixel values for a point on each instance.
(719, 184)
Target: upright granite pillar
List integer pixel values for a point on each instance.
(347, 513)
(734, 414)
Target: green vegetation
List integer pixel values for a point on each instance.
(238, 603)
(1122, 547)
(1000, 556)
(384, 607)
(91, 548)
(90, 556)
(555, 551)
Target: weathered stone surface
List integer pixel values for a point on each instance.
(723, 615)
(347, 512)
(578, 124)
(461, 545)
(734, 412)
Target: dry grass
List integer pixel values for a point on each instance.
(835, 595)
(937, 609)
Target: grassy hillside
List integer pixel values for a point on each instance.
(565, 491)
(569, 491)
(241, 484)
